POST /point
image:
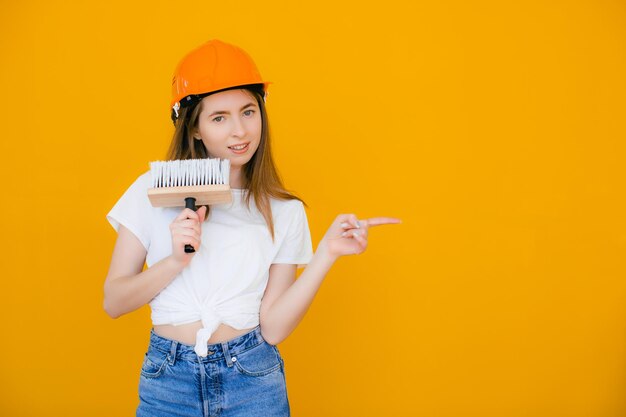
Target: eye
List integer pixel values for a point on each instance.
(218, 117)
(249, 112)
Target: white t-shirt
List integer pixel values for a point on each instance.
(226, 278)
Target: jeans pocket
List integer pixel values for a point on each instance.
(261, 360)
(154, 363)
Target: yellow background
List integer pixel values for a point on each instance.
(494, 130)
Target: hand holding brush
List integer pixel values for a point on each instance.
(186, 230)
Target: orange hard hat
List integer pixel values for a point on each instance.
(212, 67)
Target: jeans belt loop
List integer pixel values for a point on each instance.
(173, 352)
(229, 361)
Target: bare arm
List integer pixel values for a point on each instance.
(126, 287)
(285, 302)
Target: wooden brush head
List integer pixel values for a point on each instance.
(204, 195)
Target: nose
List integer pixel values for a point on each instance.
(238, 128)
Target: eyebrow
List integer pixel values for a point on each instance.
(227, 112)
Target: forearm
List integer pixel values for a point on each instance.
(125, 294)
(288, 310)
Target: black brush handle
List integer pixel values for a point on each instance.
(190, 203)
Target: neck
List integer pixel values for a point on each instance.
(235, 179)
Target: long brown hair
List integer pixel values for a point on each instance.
(260, 176)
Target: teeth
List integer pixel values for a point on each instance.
(239, 147)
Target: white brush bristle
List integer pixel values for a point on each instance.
(187, 172)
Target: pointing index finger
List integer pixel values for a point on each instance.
(377, 221)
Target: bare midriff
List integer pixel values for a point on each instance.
(186, 333)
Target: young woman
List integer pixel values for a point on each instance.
(219, 312)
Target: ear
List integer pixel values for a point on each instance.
(196, 134)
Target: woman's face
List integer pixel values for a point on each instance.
(228, 119)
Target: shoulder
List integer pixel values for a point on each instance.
(143, 181)
(141, 184)
(286, 211)
(286, 206)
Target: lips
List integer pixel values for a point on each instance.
(239, 145)
(240, 150)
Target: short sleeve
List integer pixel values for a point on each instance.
(296, 248)
(134, 211)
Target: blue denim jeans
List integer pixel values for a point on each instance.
(240, 377)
